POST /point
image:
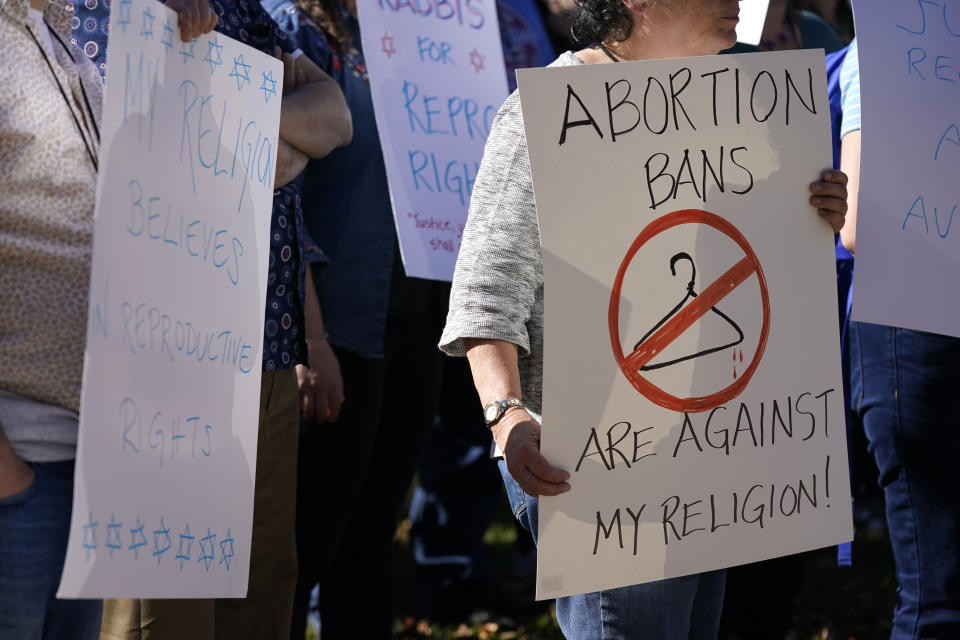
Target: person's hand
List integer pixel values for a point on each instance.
(321, 384)
(292, 79)
(196, 17)
(518, 436)
(15, 476)
(830, 197)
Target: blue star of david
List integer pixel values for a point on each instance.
(167, 37)
(207, 548)
(137, 539)
(123, 18)
(241, 71)
(90, 535)
(113, 536)
(226, 550)
(214, 51)
(185, 537)
(186, 50)
(146, 28)
(163, 533)
(269, 86)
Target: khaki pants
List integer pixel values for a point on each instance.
(266, 611)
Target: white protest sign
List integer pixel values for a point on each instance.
(437, 77)
(163, 504)
(753, 13)
(692, 378)
(908, 253)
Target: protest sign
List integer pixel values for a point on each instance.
(437, 78)
(753, 13)
(163, 503)
(908, 254)
(692, 376)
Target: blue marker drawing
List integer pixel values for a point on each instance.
(137, 539)
(184, 555)
(207, 548)
(226, 550)
(163, 533)
(269, 86)
(186, 49)
(146, 27)
(113, 536)
(241, 71)
(90, 536)
(123, 19)
(167, 37)
(214, 54)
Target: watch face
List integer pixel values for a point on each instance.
(491, 412)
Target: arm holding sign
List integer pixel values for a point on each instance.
(830, 198)
(850, 163)
(850, 139)
(196, 17)
(314, 118)
(517, 434)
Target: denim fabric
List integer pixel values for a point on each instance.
(34, 525)
(684, 608)
(903, 385)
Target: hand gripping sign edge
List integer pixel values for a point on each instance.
(709, 296)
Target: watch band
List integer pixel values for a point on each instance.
(493, 411)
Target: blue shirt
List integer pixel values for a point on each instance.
(346, 199)
(291, 248)
(91, 26)
(525, 40)
(850, 91)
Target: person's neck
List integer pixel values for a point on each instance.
(641, 46)
(39, 5)
(349, 5)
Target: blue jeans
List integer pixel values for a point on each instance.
(686, 608)
(903, 386)
(33, 542)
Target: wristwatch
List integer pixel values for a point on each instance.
(493, 411)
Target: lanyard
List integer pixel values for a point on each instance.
(76, 120)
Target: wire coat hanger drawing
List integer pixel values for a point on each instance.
(690, 294)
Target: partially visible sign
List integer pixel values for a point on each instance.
(163, 503)
(437, 76)
(908, 253)
(692, 377)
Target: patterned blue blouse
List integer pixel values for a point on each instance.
(291, 248)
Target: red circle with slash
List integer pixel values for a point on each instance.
(684, 318)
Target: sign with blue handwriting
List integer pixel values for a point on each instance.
(692, 381)
(438, 78)
(908, 252)
(163, 503)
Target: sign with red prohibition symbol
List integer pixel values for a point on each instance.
(684, 315)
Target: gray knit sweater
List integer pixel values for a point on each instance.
(498, 283)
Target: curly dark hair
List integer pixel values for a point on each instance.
(601, 21)
(327, 14)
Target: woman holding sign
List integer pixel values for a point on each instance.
(496, 306)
